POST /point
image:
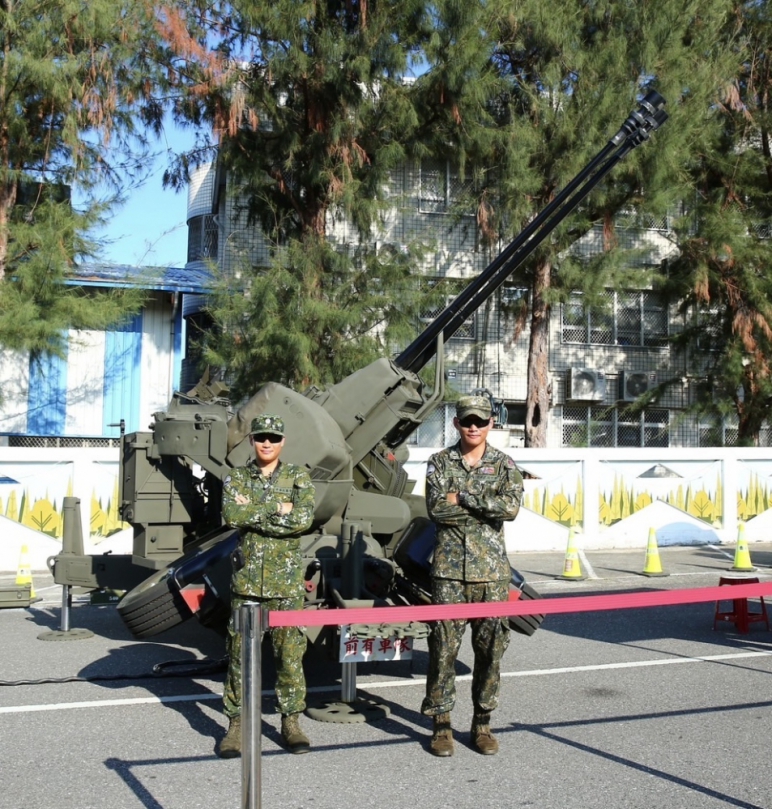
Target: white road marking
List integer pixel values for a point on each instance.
(722, 552)
(112, 703)
(591, 574)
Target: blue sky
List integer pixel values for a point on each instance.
(150, 228)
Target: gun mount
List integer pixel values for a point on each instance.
(371, 540)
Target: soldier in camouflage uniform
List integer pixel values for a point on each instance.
(272, 503)
(471, 488)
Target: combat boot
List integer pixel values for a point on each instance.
(442, 737)
(230, 744)
(483, 740)
(292, 735)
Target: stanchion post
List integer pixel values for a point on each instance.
(249, 622)
(64, 621)
(352, 566)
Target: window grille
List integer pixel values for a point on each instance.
(63, 442)
(466, 331)
(588, 426)
(630, 218)
(203, 236)
(717, 435)
(440, 187)
(511, 295)
(710, 336)
(633, 318)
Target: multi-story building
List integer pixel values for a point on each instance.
(600, 359)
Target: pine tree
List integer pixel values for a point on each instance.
(721, 276)
(76, 82)
(573, 71)
(310, 112)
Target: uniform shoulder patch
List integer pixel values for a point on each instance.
(227, 480)
(510, 463)
(431, 469)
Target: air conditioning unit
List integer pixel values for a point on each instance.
(633, 384)
(585, 385)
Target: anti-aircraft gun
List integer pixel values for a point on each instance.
(371, 540)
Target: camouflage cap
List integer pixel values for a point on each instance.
(473, 406)
(273, 425)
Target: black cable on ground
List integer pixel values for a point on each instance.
(170, 668)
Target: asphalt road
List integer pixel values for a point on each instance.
(626, 708)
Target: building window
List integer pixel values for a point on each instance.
(466, 330)
(596, 426)
(202, 238)
(717, 431)
(441, 187)
(513, 414)
(710, 330)
(437, 430)
(637, 318)
(630, 218)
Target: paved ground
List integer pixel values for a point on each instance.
(627, 708)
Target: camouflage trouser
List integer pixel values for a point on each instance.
(490, 638)
(289, 646)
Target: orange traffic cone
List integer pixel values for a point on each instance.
(572, 568)
(652, 565)
(24, 571)
(742, 556)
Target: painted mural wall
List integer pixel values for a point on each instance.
(612, 498)
(609, 498)
(33, 485)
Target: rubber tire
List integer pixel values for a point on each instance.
(526, 624)
(153, 606)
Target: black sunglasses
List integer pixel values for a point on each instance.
(474, 421)
(259, 438)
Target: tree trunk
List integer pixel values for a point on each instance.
(7, 188)
(7, 200)
(751, 411)
(537, 398)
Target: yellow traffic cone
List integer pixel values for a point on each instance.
(652, 565)
(24, 571)
(572, 568)
(742, 556)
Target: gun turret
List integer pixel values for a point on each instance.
(348, 435)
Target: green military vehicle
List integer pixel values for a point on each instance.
(371, 540)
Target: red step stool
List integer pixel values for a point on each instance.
(740, 615)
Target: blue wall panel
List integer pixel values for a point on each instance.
(178, 349)
(47, 400)
(122, 376)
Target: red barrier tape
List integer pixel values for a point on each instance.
(543, 606)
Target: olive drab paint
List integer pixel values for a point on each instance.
(348, 436)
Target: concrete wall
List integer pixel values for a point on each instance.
(609, 498)
(33, 484)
